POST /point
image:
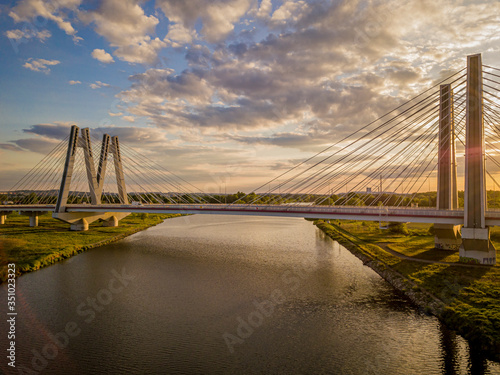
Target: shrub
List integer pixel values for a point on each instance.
(398, 228)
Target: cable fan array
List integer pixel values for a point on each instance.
(146, 181)
(41, 184)
(386, 162)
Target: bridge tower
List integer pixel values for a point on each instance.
(447, 236)
(81, 220)
(476, 244)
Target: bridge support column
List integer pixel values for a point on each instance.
(447, 236)
(33, 215)
(80, 220)
(3, 217)
(476, 245)
(111, 222)
(80, 225)
(33, 220)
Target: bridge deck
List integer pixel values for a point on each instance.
(397, 214)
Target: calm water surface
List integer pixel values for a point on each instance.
(221, 294)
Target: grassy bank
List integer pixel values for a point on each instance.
(466, 298)
(33, 248)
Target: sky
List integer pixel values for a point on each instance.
(222, 92)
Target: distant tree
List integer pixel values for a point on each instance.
(32, 198)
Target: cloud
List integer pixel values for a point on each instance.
(98, 85)
(102, 56)
(178, 35)
(40, 65)
(71, 82)
(144, 51)
(129, 118)
(125, 25)
(162, 85)
(115, 114)
(217, 17)
(321, 70)
(39, 145)
(289, 12)
(58, 130)
(28, 10)
(9, 147)
(26, 33)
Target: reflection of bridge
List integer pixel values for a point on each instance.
(405, 148)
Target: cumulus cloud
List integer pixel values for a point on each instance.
(102, 56)
(129, 118)
(179, 35)
(71, 82)
(125, 25)
(28, 10)
(40, 65)
(218, 17)
(18, 34)
(98, 85)
(322, 70)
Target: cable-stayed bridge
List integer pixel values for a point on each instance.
(376, 173)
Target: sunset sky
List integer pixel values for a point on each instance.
(222, 91)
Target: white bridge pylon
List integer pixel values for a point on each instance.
(80, 220)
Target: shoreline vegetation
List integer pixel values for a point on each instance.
(465, 297)
(32, 248)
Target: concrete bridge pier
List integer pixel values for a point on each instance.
(3, 217)
(80, 225)
(33, 215)
(110, 222)
(33, 220)
(447, 236)
(476, 245)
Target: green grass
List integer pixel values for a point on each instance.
(33, 248)
(470, 295)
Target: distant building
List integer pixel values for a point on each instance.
(368, 190)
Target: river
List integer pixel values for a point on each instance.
(226, 294)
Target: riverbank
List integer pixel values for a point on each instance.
(467, 299)
(52, 241)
